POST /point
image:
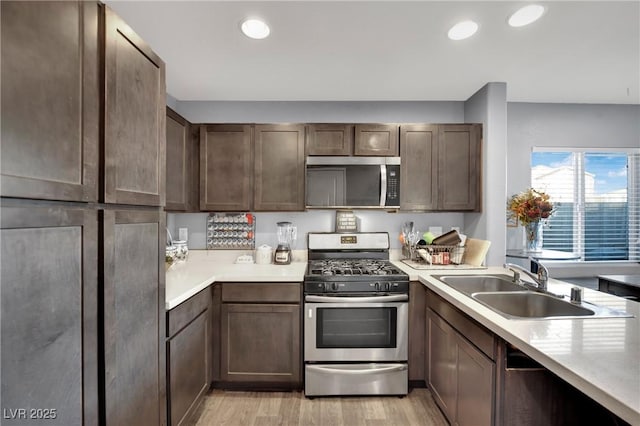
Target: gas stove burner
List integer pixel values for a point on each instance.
(350, 267)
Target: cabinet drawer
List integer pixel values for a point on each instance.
(185, 312)
(262, 292)
(474, 332)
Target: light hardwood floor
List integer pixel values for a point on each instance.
(292, 408)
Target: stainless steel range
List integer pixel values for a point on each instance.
(355, 317)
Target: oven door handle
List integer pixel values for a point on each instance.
(349, 299)
(364, 371)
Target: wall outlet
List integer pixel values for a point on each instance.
(183, 234)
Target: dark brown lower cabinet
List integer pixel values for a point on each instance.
(48, 311)
(460, 364)
(534, 396)
(461, 377)
(621, 285)
(260, 335)
(417, 323)
(189, 357)
(134, 317)
(476, 378)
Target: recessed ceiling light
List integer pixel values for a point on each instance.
(526, 15)
(255, 28)
(462, 30)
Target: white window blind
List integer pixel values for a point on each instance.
(596, 198)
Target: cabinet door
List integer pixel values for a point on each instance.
(188, 368)
(329, 139)
(50, 102)
(417, 324)
(279, 167)
(442, 364)
(459, 167)
(376, 139)
(476, 375)
(49, 311)
(134, 317)
(226, 167)
(178, 166)
(134, 122)
(260, 343)
(419, 171)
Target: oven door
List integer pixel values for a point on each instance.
(364, 329)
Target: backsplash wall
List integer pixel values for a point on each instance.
(316, 221)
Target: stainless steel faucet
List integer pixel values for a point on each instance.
(540, 278)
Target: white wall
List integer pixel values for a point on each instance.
(488, 106)
(562, 125)
(565, 125)
(316, 221)
(321, 112)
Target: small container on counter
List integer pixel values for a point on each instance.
(182, 251)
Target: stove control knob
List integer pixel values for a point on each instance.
(331, 287)
(385, 286)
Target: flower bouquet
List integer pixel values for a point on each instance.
(530, 208)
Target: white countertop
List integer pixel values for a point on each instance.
(203, 267)
(598, 356)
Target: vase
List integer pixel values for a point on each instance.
(533, 236)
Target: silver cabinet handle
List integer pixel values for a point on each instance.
(338, 370)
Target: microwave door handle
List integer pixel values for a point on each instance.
(383, 185)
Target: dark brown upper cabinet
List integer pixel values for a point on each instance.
(376, 140)
(50, 100)
(419, 164)
(182, 164)
(441, 167)
(279, 167)
(329, 139)
(135, 103)
(459, 167)
(226, 167)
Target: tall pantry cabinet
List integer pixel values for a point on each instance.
(82, 230)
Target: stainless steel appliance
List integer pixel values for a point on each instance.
(353, 182)
(355, 317)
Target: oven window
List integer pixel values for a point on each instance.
(356, 327)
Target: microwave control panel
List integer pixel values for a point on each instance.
(393, 185)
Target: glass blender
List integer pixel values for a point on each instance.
(287, 234)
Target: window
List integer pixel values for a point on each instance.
(596, 197)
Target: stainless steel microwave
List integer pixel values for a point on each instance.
(353, 182)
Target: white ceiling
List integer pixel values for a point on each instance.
(578, 52)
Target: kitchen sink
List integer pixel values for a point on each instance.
(469, 284)
(529, 304)
(515, 301)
